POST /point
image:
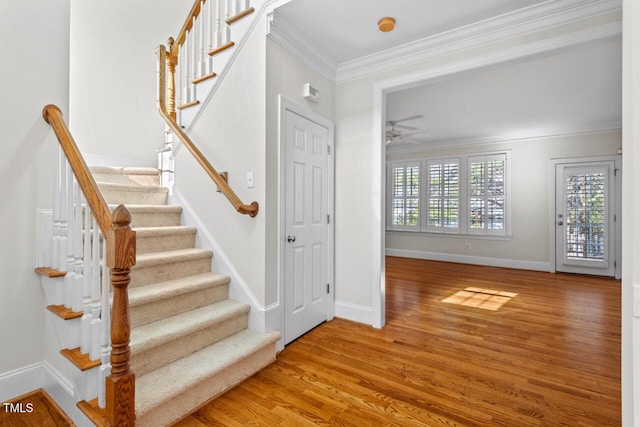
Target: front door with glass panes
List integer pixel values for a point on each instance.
(584, 218)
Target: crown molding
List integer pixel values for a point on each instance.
(476, 142)
(283, 33)
(535, 18)
(539, 17)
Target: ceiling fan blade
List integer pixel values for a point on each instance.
(394, 122)
(405, 127)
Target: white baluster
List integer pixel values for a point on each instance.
(56, 211)
(95, 291)
(211, 10)
(85, 325)
(227, 27)
(185, 69)
(238, 8)
(193, 63)
(202, 54)
(105, 339)
(75, 244)
(218, 38)
(64, 209)
(66, 238)
(247, 4)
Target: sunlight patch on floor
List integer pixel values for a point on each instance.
(487, 299)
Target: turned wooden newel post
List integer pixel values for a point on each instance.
(121, 256)
(172, 60)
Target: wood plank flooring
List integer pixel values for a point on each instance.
(550, 356)
(35, 409)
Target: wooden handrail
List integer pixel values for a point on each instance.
(92, 194)
(188, 24)
(251, 209)
(120, 257)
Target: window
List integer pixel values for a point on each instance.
(405, 195)
(443, 195)
(487, 194)
(460, 195)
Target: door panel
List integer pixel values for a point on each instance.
(306, 228)
(585, 218)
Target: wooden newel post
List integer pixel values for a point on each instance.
(172, 61)
(121, 256)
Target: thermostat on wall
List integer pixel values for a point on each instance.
(311, 93)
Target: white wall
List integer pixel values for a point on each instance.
(630, 209)
(231, 134)
(112, 101)
(528, 245)
(359, 157)
(286, 76)
(35, 73)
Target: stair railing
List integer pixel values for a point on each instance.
(88, 239)
(169, 117)
(205, 32)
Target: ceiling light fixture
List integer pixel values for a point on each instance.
(386, 24)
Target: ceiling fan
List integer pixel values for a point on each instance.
(397, 135)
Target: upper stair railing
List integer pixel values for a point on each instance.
(189, 60)
(88, 238)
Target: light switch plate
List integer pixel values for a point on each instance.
(250, 180)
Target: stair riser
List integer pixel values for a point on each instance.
(130, 197)
(153, 219)
(161, 273)
(157, 310)
(127, 179)
(150, 244)
(166, 353)
(186, 400)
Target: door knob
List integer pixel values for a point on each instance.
(560, 223)
(291, 238)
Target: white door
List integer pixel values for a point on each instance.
(306, 225)
(584, 218)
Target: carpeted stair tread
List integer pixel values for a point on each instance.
(172, 288)
(155, 239)
(129, 194)
(126, 175)
(155, 334)
(170, 257)
(172, 382)
(153, 215)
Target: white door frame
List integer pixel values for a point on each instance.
(616, 202)
(287, 104)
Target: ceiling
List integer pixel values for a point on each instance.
(563, 91)
(347, 29)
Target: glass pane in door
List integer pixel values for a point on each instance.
(585, 218)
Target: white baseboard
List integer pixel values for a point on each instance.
(353, 312)
(238, 288)
(470, 259)
(20, 381)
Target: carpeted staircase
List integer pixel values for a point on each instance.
(189, 342)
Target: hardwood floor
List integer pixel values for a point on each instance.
(35, 409)
(550, 356)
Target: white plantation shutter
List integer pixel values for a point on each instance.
(443, 195)
(487, 194)
(404, 188)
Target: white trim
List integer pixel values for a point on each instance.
(286, 104)
(62, 392)
(495, 140)
(283, 33)
(535, 18)
(355, 313)
(468, 259)
(383, 87)
(616, 206)
(238, 288)
(20, 381)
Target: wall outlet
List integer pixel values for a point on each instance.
(467, 245)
